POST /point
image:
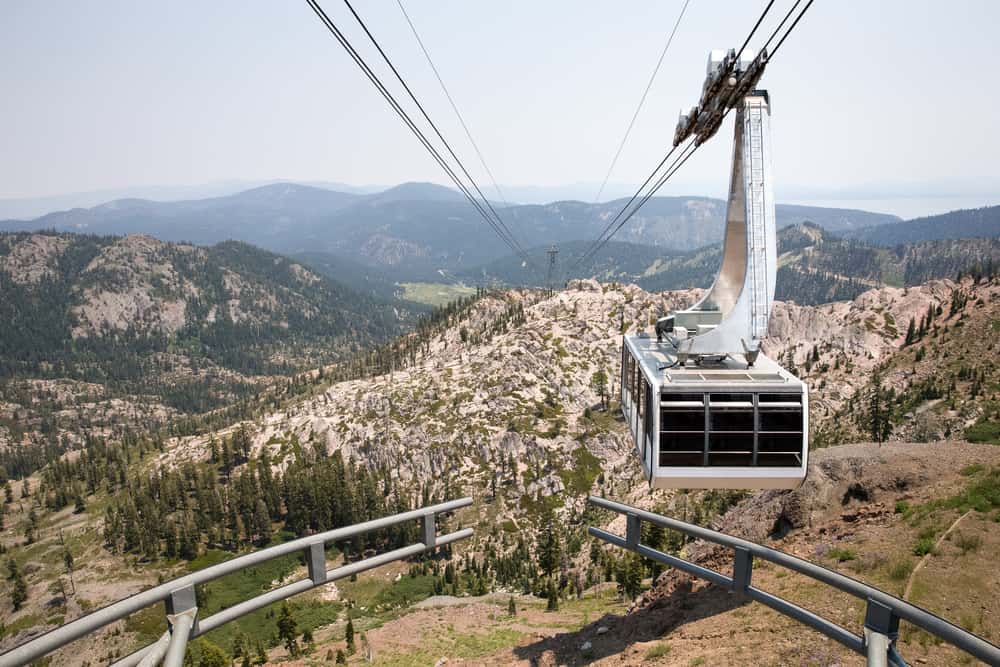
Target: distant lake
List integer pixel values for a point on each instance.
(904, 207)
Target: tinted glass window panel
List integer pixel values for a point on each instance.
(670, 396)
(731, 398)
(682, 442)
(731, 420)
(780, 420)
(739, 442)
(779, 398)
(730, 459)
(680, 459)
(779, 460)
(682, 420)
(779, 442)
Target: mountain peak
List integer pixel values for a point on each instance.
(416, 191)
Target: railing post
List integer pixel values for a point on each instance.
(428, 526)
(742, 570)
(181, 600)
(633, 530)
(316, 562)
(180, 630)
(881, 631)
(182, 613)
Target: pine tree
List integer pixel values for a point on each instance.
(288, 630)
(29, 531)
(630, 576)
(349, 636)
(20, 593)
(790, 360)
(553, 597)
(599, 381)
(654, 537)
(261, 522)
(548, 549)
(876, 418)
(911, 331)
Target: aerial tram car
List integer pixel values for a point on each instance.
(705, 408)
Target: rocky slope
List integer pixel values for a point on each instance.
(500, 403)
(106, 333)
(487, 389)
(141, 287)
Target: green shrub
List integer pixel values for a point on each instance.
(900, 569)
(923, 546)
(842, 554)
(968, 543)
(658, 651)
(971, 470)
(984, 430)
(928, 532)
(902, 507)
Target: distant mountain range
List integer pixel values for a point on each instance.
(972, 223)
(24, 208)
(421, 232)
(414, 228)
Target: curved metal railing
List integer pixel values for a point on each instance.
(179, 594)
(882, 614)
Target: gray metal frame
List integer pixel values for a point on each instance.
(179, 594)
(882, 614)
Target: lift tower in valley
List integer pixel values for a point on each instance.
(551, 252)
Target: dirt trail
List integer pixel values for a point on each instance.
(927, 556)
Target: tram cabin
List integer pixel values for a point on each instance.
(720, 425)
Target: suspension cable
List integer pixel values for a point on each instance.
(397, 108)
(440, 136)
(642, 100)
(454, 106)
(687, 152)
(791, 28)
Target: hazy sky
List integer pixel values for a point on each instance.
(894, 94)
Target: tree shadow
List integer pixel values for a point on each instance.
(684, 604)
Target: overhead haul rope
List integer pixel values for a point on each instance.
(642, 100)
(440, 136)
(404, 116)
(454, 106)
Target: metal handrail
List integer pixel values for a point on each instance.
(883, 611)
(179, 594)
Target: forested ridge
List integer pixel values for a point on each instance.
(815, 265)
(129, 315)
